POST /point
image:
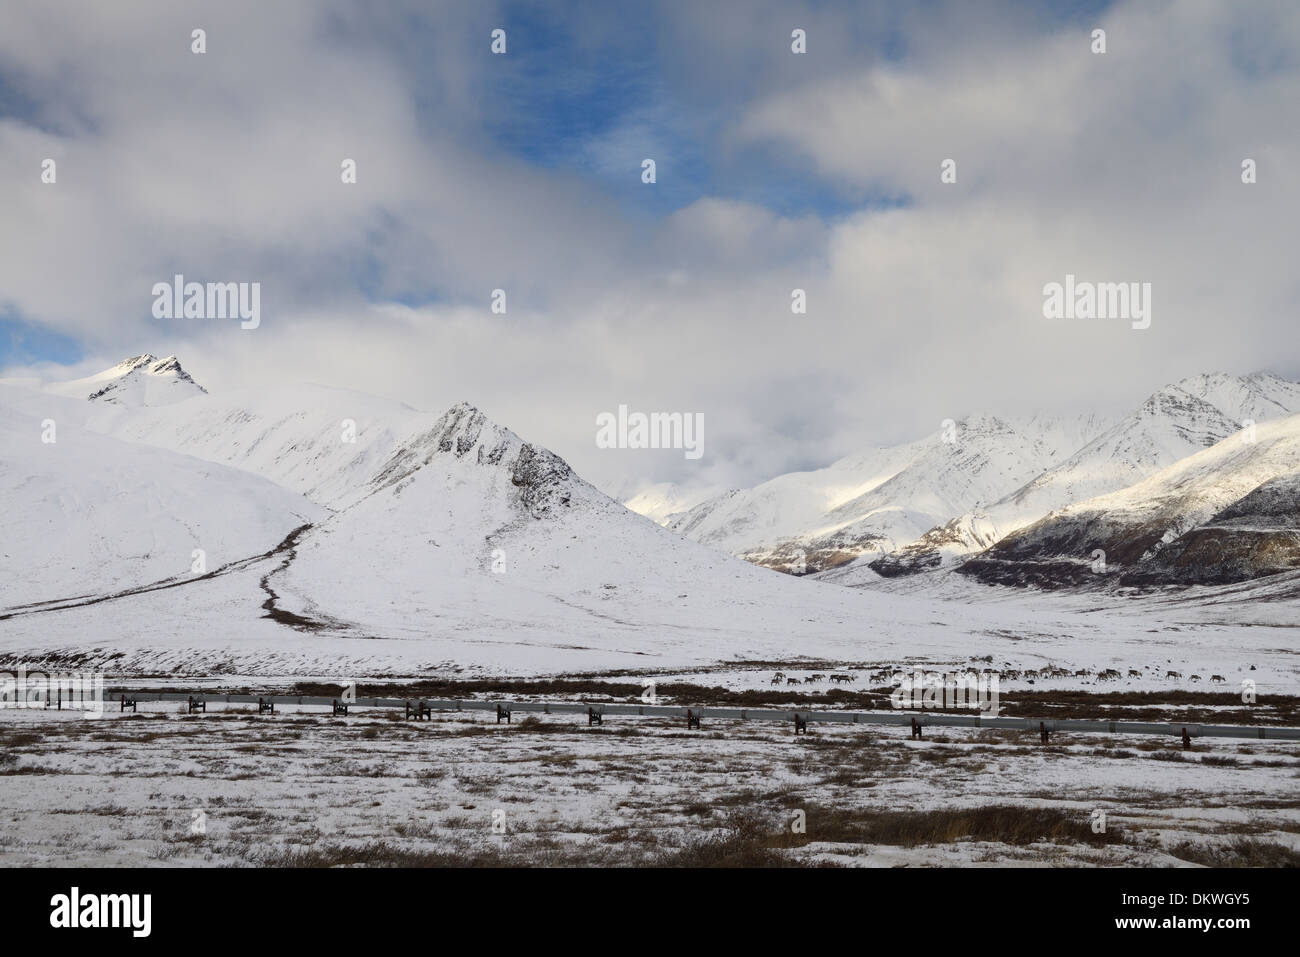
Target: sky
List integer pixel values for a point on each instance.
(775, 171)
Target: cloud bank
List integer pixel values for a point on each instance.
(775, 171)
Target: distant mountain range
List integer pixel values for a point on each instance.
(302, 530)
(970, 490)
(1225, 514)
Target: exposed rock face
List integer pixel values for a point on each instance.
(543, 479)
(1256, 536)
(1229, 513)
(958, 536)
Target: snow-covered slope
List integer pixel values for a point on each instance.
(85, 514)
(320, 442)
(1239, 491)
(793, 508)
(461, 518)
(875, 501)
(663, 502)
(1173, 423)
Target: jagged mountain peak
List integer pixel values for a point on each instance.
(133, 363)
(540, 478)
(149, 364)
(145, 380)
(461, 428)
(137, 382)
(1258, 395)
(168, 365)
(985, 420)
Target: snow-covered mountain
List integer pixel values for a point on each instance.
(320, 442)
(1175, 422)
(138, 382)
(873, 502)
(451, 545)
(468, 521)
(1223, 514)
(468, 530)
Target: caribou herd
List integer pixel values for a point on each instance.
(1029, 676)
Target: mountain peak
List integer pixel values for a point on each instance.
(143, 380)
(131, 364)
(465, 437)
(163, 366)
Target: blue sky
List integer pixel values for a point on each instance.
(559, 99)
(25, 343)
